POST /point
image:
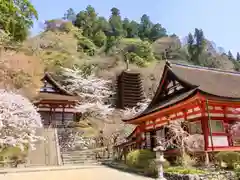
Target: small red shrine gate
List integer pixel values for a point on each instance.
(55, 104)
(202, 96)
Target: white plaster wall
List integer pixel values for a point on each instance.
(218, 141)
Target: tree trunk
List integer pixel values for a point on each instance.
(206, 158)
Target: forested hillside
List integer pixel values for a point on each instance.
(103, 45)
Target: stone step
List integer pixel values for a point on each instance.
(76, 156)
(83, 157)
(79, 153)
(80, 163)
(77, 159)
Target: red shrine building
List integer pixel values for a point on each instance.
(55, 104)
(208, 99)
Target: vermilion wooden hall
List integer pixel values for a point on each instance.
(208, 99)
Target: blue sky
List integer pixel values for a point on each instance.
(218, 18)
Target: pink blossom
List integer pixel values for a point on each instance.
(19, 120)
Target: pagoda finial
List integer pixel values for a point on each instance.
(126, 61)
(127, 64)
(168, 63)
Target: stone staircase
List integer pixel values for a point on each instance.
(72, 153)
(79, 157)
(47, 151)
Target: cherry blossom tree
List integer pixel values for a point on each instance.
(177, 136)
(131, 112)
(234, 128)
(19, 121)
(95, 93)
(235, 132)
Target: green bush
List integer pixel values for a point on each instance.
(140, 158)
(237, 170)
(66, 27)
(99, 38)
(145, 160)
(13, 155)
(85, 44)
(182, 170)
(139, 52)
(152, 170)
(134, 58)
(230, 158)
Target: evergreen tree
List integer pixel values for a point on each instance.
(115, 22)
(70, 15)
(157, 31)
(17, 17)
(238, 56)
(145, 27)
(230, 56)
(196, 45)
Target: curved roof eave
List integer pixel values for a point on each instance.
(191, 94)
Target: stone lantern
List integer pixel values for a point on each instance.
(160, 160)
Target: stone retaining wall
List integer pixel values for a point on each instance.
(223, 175)
(219, 175)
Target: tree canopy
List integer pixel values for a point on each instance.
(16, 17)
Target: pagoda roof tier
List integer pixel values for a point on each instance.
(181, 82)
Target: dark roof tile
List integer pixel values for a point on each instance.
(213, 81)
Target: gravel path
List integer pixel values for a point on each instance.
(95, 173)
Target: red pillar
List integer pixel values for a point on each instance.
(63, 113)
(142, 130)
(204, 122)
(226, 126)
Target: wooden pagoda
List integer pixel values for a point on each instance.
(208, 99)
(129, 89)
(55, 104)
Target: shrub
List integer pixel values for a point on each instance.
(182, 170)
(186, 160)
(99, 38)
(140, 158)
(139, 52)
(152, 170)
(13, 156)
(86, 45)
(230, 158)
(134, 58)
(145, 160)
(237, 170)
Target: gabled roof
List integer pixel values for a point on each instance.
(209, 80)
(59, 93)
(214, 83)
(48, 77)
